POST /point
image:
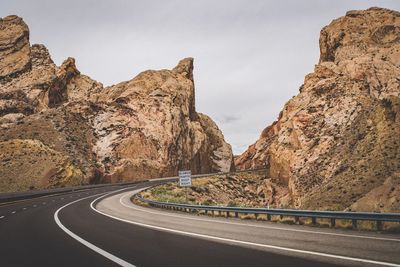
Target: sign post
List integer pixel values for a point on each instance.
(185, 178)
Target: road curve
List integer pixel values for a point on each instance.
(66, 230)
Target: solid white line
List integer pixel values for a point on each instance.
(235, 241)
(253, 225)
(1, 217)
(86, 243)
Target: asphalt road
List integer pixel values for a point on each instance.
(66, 230)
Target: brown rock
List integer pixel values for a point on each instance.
(14, 47)
(338, 138)
(145, 127)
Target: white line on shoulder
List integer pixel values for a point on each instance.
(86, 243)
(254, 225)
(234, 241)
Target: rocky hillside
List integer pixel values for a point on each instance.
(59, 127)
(336, 145)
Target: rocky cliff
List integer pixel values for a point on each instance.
(59, 127)
(336, 145)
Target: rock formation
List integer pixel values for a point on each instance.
(336, 145)
(58, 127)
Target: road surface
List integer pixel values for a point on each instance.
(101, 227)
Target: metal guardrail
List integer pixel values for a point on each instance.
(17, 196)
(332, 215)
(194, 176)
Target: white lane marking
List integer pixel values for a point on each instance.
(257, 226)
(62, 198)
(13, 212)
(34, 206)
(24, 208)
(44, 203)
(1, 217)
(235, 241)
(86, 243)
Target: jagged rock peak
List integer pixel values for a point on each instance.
(40, 55)
(358, 32)
(69, 68)
(14, 47)
(185, 67)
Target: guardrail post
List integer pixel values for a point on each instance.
(268, 217)
(256, 215)
(354, 222)
(313, 220)
(236, 214)
(296, 219)
(379, 225)
(333, 222)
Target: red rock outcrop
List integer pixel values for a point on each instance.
(68, 129)
(337, 141)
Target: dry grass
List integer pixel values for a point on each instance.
(172, 193)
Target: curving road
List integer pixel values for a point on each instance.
(101, 227)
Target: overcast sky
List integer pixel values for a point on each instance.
(250, 56)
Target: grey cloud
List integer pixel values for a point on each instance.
(227, 119)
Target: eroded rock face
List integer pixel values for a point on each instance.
(145, 127)
(14, 47)
(338, 141)
(150, 128)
